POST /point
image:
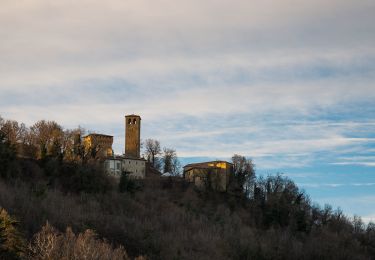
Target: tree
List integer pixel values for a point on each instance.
(176, 166)
(49, 243)
(243, 174)
(126, 184)
(170, 161)
(48, 137)
(152, 151)
(75, 148)
(12, 243)
(7, 155)
(14, 132)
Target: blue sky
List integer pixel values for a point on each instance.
(288, 83)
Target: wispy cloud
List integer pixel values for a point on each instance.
(356, 163)
(240, 77)
(290, 84)
(367, 160)
(369, 218)
(335, 185)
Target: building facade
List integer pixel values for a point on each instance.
(101, 143)
(135, 167)
(213, 174)
(116, 165)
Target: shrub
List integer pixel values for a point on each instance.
(51, 244)
(126, 184)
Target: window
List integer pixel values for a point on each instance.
(129, 121)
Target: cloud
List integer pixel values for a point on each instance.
(335, 185)
(210, 78)
(365, 160)
(85, 39)
(371, 164)
(368, 218)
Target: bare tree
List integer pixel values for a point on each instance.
(170, 161)
(72, 146)
(52, 244)
(14, 132)
(243, 173)
(168, 155)
(152, 151)
(48, 137)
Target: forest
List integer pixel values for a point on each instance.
(56, 202)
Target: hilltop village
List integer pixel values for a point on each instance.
(137, 167)
(64, 193)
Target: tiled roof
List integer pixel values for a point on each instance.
(121, 157)
(94, 134)
(203, 164)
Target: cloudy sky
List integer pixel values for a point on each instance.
(288, 83)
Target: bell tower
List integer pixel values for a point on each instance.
(132, 136)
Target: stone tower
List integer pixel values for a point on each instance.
(132, 136)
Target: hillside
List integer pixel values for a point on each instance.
(58, 203)
(170, 219)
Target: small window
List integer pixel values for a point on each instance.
(129, 121)
(134, 121)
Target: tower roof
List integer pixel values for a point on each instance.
(132, 115)
(95, 134)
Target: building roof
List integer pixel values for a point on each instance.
(203, 164)
(167, 174)
(122, 157)
(132, 115)
(94, 134)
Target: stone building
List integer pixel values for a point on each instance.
(130, 162)
(132, 136)
(102, 143)
(214, 174)
(116, 165)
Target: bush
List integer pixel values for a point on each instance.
(83, 178)
(51, 244)
(126, 184)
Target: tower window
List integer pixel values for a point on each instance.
(134, 121)
(129, 121)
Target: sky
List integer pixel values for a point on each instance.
(288, 83)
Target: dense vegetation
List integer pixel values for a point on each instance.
(53, 207)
